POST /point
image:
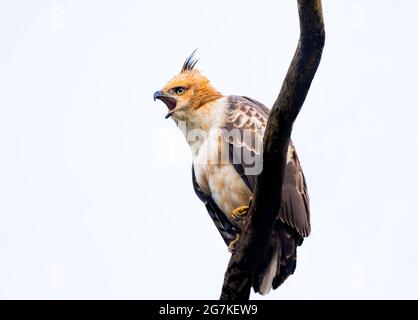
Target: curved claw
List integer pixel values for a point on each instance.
(233, 244)
(240, 213)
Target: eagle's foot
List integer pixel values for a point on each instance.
(233, 244)
(240, 213)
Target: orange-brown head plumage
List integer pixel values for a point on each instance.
(187, 91)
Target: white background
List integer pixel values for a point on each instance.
(96, 199)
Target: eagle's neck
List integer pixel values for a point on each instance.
(203, 122)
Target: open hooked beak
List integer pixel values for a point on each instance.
(169, 101)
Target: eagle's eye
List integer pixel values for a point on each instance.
(179, 90)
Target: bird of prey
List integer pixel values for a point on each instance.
(225, 134)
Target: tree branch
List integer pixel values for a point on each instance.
(267, 199)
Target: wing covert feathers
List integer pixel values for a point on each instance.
(244, 113)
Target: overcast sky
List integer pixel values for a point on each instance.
(96, 199)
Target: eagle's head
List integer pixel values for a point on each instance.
(187, 91)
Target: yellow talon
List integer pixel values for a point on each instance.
(239, 213)
(233, 244)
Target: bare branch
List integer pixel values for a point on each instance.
(267, 199)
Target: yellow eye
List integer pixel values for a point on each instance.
(179, 90)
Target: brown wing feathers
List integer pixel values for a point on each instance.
(245, 113)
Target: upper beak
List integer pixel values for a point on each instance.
(158, 95)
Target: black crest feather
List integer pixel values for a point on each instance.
(190, 62)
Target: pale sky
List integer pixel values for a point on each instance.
(96, 199)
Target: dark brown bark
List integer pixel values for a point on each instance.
(267, 197)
